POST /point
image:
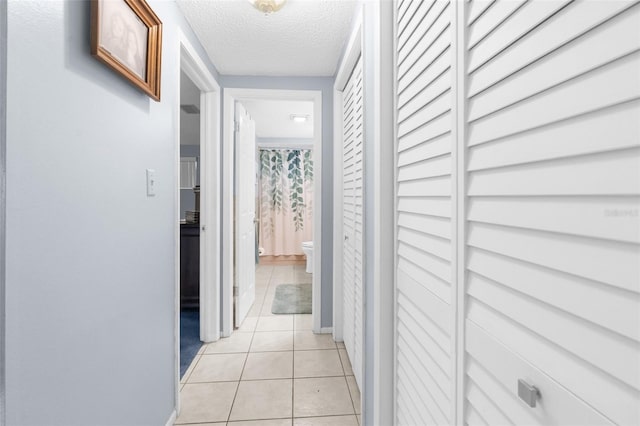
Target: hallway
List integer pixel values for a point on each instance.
(272, 371)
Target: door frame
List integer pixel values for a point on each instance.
(379, 171)
(349, 60)
(231, 95)
(195, 68)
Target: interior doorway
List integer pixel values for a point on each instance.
(252, 98)
(206, 172)
(190, 167)
(284, 205)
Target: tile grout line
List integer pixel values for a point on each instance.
(235, 395)
(293, 371)
(344, 370)
(190, 370)
(353, 405)
(293, 368)
(347, 383)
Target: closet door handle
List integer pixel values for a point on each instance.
(528, 393)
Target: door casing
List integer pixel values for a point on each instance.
(231, 95)
(195, 68)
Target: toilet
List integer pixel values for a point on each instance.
(307, 248)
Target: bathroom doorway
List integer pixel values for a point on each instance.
(284, 207)
(288, 200)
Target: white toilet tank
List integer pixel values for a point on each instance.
(307, 248)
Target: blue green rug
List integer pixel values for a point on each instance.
(292, 299)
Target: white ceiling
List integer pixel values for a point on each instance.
(304, 38)
(273, 120)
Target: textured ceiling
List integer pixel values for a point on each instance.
(273, 120)
(304, 38)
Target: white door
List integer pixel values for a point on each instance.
(424, 289)
(518, 192)
(552, 223)
(352, 220)
(245, 202)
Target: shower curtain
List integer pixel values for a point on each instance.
(286, 200)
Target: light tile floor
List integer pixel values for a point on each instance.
(272, 371)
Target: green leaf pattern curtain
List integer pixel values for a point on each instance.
(286, 200)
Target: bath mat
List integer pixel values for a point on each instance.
(292, 299)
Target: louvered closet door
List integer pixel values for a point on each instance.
(352, 217)
(522, 196)
(553, 234)
(423, 328)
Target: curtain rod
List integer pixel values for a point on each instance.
(285, 147)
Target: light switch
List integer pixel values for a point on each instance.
(151, 182)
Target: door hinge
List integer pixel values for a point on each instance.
(235, 291)
(236, 126)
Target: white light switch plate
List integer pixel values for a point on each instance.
(151, 182)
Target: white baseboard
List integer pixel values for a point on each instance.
(326, 330)
(172, 419)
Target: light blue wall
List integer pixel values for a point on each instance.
(325, 84)
(90, 258)
(3, 145)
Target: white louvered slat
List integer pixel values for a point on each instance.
(421, 150)
(352, 219)
(584, 134)
(432, 206)
(477, 8)
(486, 23)
(473, 418)
(579, 216)
(424, 325)
(526, 19)
(572, 25)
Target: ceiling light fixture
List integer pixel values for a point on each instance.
(268, 6)
(299, 118)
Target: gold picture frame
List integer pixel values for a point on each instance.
(127, 36)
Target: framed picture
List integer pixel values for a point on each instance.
(127, 36)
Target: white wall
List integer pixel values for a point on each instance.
(90, 258)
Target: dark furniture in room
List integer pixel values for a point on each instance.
(189, 265)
